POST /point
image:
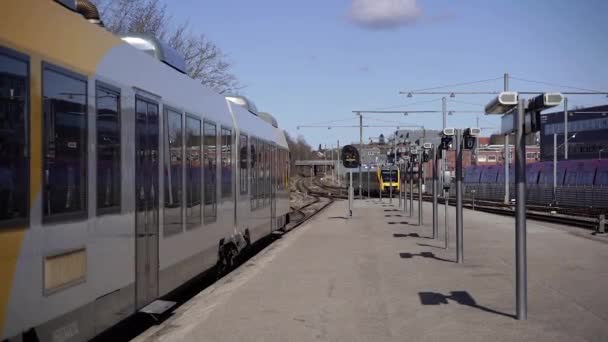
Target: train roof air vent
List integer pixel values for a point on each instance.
(157, 49)
(269, 118)
(243, 102)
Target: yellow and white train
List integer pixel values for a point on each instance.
(121, 178)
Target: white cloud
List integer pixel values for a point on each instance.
(380, 14)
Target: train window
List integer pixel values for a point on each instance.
(585, 177)
(210, 171)
(14, 170)
(65, 144)
(193, 172)
(602, 177)
(243, 164)
(571, 177)
(226, 163)
(252, 172)
(260, 177)
(173, 172)
(108, 150)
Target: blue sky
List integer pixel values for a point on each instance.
(318, 60)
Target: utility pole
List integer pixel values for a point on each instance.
(443, 168)
(435, 190)
(506, 153)
(339, 161)
(361, 152)
(565, 128)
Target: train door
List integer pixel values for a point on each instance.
(227, 177)
(146, 214)
(273, 187)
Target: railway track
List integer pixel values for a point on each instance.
(312, 197)
(578, 217)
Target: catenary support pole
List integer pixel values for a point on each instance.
(459, 220)
(565, 128)
(446, 196)
(506, 150)
(420, 192)
(411, 189)
(351, 194)
(521, 278)
(554, 192)
(360, 151)
(435, 161)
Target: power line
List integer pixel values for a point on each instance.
(553, 84)
(469, 103)
(459, 84)
(409, 104)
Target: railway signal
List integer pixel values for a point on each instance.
(351, 160)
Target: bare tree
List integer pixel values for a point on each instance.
(204, 60)
(299, 149)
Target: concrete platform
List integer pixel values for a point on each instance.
(371, 278)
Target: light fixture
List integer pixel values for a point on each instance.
(451, 112)
(503, 103)
(405, 113)
(452, 95)
(409, 95)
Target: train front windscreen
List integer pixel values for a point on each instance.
(389, 176)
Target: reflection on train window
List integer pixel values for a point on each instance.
(65, 152)
(243, 164)
(602, 178)
(193, 172)
(210, 172)
(252, 172)
(571, 176)
(226, 163)
(173, 172)
(14, 171)
(108, 149)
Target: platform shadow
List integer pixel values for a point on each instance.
(429, 255)
(400, 222)
(414, 235)
(425, 245)
(393, 215)
(338, 217)
(460, 297)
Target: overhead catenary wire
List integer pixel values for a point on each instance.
(410, 104)
(554, 84)
(459, 84)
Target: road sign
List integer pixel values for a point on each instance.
(350, 157)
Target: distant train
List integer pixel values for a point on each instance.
(388, 176)
(580, 183)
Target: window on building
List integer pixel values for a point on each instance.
(173, 171)
(491, 158)
(65, 144)
(108, 150)
(530, 155)
(243, 164)
(14, 113)
(482, 158)
(210, 171)
(226, 163)
(193, 172)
